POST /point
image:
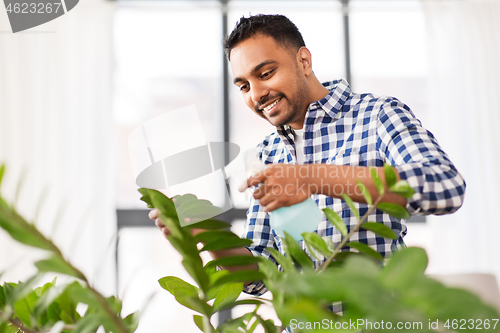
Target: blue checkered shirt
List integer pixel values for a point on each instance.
(345, 128)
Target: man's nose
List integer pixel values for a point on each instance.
(259, 92)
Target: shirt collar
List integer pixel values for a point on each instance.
(331, 104)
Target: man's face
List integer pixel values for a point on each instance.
(271, 80)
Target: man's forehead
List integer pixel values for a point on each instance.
(255, 50)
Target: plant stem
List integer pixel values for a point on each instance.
(349, 235)
(207, 326)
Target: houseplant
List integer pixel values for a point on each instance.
(52, 307)
(376, 295)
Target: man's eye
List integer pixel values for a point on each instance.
(243, 87)
(266, 74)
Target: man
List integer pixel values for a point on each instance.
(326, 138)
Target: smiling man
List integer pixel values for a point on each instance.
(326, 138)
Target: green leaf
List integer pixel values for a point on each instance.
(285, 262)
(209, 224)
(198, 320)
(404, 266)
(146, 197)
(242, 302)
(234, 261)
(239, 276)
(178, 286)
(403, 189)
(350, 204)
(2, 171)
(269, 269)
(115, 304)
(335, 219)
(380, 229)
(361, 247)
(19, 229)
(229, 244)
(296, 253)
(185, 293)
(190, 207)
(329, 243)
(377, 181)
(390, 175)
(57, 264)
(215, 236)
(227, 294)
(394, 210)
(89, 323)
(194, 266)
(313, 240)
(365, 192)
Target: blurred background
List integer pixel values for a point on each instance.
(73, 89)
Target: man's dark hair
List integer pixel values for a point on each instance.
(279, 27)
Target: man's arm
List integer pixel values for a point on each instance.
(287, 184)
(402, 142)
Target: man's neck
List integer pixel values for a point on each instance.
(318, 92)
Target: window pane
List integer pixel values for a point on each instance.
(168, 56)
(388, 51)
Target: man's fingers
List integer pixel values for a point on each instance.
(153, 214)
(159, 223)
(272, 206)
(257, 179)
(260, 191)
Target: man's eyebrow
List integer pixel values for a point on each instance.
(255, 69)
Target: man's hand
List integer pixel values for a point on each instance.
(282, 185)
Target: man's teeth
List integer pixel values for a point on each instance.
(267, 108)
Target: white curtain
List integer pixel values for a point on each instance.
(56, 126)
(464, 55)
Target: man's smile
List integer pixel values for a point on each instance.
(270, 109)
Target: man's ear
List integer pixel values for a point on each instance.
(304, 60)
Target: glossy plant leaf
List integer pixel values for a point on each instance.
(209, 224)
(57, 264)
(350, 203)
(313, 240)
(393, 210)
(178, 286)
(329, 243)
(22, 231)
(194, 266)
(390, 175)
(2, 171)
(405, 265)
(239, 276)
(377, 181)
(335, 219)
(215, 236)
(365, 249)
(234, 261)
(380, 229)
(269, 269)
(227, 295)
(229, 244)
(285, 262)
(403, 189)
(294, 250)
(365, 192)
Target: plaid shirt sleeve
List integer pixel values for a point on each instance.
(415, 153)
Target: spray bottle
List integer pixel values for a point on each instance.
(295, 220)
